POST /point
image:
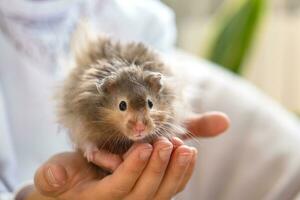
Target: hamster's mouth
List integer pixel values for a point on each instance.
(143, 138)
(138, 136)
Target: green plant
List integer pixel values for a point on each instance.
(235, 33)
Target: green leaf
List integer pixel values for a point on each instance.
(235, 35)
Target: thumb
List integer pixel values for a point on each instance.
(207, 125)
(50, 179)
(56, 176)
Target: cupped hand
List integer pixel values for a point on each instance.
(145, 172)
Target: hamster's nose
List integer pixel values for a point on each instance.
(139, 127)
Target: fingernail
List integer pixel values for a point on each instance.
(56, 179)
(184, 158)
(165, 152)
(145, 154)
(177, 142)
(194, 150)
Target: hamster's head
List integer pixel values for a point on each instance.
(137, 103)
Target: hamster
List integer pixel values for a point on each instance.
(117, 94)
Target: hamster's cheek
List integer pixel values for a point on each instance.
(151, 126)
(157, 117)
(120, 120)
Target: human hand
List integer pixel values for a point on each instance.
(146, 173)
(73, 174)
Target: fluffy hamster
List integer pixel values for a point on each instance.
(116, 94)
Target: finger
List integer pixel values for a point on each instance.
(121, 182)
(150, 180)
(107, 160)
(175, 173)
(50, 179)
(176, 142)
(133, 147)
(207, 125)
(189, 172)
(57, 175)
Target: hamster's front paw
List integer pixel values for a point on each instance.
(89, 151)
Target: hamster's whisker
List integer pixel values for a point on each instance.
(180, 129)
(100, 122)
(192, 137)
(161, 112)
(145, 64)
(172, 125)
(106, 141)
(162, 131)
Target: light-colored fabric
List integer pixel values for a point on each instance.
(7, 159)
(41, 29)
(6, 196)
(259, 157)
(22, 192)
(133, 20)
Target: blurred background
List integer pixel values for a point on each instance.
(256, 39)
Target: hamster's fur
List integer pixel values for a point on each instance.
(106, 74)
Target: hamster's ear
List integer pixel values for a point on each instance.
(106, 85)
(154, 80)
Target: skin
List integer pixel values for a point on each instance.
(157, 171)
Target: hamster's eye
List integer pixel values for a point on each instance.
(122, 106)
(150, 104)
